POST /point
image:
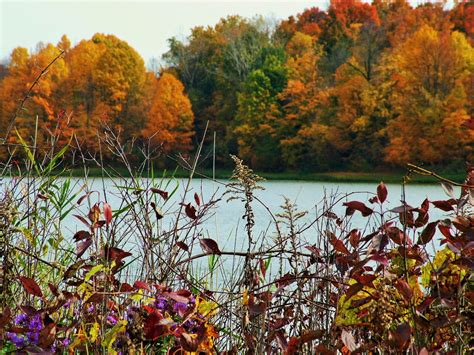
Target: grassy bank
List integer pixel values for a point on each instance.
(342, 177)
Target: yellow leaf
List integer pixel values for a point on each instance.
(94, 332)
(111, 335)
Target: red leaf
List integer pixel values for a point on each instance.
(82, 247)
(367, 280)
(53, 289)
(83, 197)
(152, 328)
(6, 317)
(359, 206)
(162, 193)
(125, 287)
(353, 289)
(400, 338)
(209, 246)
(443, 205)
(175, 296)
(112, 253)
(197, 199)
(445, 230)
(141, 285)
(354, 237)
(188, 343)
(428, 233)
(82, 219)
(182, 245)
(313, 250)
(81, 235)
(380, 259)
(396, 235)
(256, 308)
(338, 244)
(107, 213)
(190, 211)
(382, 192)
(404, 288)
(31, 286)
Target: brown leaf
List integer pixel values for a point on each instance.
(209, 246)
(444, 205)
(81, 247)
(71, 270)
(311, 335)
(359, 206)
(31, 286)
(158, 213)
(94, 213)
(81, 235)
(382, 192)
(428, 233)
(404, 288)
(163, 194)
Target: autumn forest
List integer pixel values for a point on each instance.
(353, 87)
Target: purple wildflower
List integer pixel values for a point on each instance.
(112, 320)
(65, 342)
(91, 308)
(36, 324)
(20, 319)
(180, 307)
(161, 303)
(33, 337)
(19, 341)
(190, 323)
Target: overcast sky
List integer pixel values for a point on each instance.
(145, 25)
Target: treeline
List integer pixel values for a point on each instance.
(354, 87)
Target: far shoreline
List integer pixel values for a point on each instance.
(395, 177)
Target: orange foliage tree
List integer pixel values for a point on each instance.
(170, 119)
(433, 74)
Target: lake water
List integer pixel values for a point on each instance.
(224, 221)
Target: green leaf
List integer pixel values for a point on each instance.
(93, 271)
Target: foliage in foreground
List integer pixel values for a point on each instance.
(400, 281)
